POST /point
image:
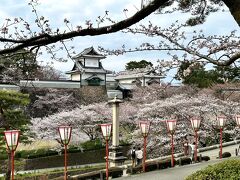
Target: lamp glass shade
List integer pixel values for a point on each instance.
(195, 122)
(65, 134)
(145, 126)
(12, 137)
(237, 118)
(221, 121)
(171, 125)
(106, 130)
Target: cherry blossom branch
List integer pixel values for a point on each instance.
(45, 39)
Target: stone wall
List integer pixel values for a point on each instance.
(93, 94)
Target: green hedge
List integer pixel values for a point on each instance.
(37, 153)
(151, 166)
(92, 145)
(31, 154)
(229, 169)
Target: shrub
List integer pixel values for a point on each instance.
(91, 145)
(226, 155)
(74, 149)
(229, 169)
(151, 166)
(205, 158)
(3, 156)
(115, 172)
(31, 154)
(163, 164)
(184, 161)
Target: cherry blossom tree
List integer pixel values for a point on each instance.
(84, 120)
(182, 103)
(183, 107)
(182, 45)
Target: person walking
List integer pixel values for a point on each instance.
(185, 146)
(133, 156)
(191, 149)
(139, 156)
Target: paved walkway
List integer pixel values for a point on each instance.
(176, 173)
(213, 154)
(181, 172)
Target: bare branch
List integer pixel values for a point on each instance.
(45, 39)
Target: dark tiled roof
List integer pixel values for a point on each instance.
(94, 76)
(89, 52)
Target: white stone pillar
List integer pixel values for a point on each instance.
(115, 120)
(116, 157)
(115, 124)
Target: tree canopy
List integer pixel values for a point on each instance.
(196, 74)
(13, 116)
(137, 64)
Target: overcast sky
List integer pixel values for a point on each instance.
(77, 11)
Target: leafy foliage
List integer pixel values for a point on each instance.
(13, 116)
(229, 169)
(91, 145)
(135, 65)
(195, 74)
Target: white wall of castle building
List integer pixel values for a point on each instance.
(91, 62)
(126, 81)
(130, 80)
(75, 77)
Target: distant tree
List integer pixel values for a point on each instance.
(228, 73)
(137, 64)
(13, 116)
(83, 119)
(47, 72)
(45, 102)
(195, 74)
(20, 65)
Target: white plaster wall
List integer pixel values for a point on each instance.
(126, 80)
(75, 77)
(91, 62)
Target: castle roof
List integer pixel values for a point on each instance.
(89, 52)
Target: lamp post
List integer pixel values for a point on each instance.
(195, 122)
(171, 126)
(221, 123)
(106, 132)
(12, 138)
(144, 126)
(65, 135)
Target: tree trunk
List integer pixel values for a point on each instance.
(8, 173)
(234, 7)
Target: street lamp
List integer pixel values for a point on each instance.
(237, 118)
(171, 126)
(65, 135)
(221, 123)
(144, 126)
(195, 122)
(12, 138)
(106, 132)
